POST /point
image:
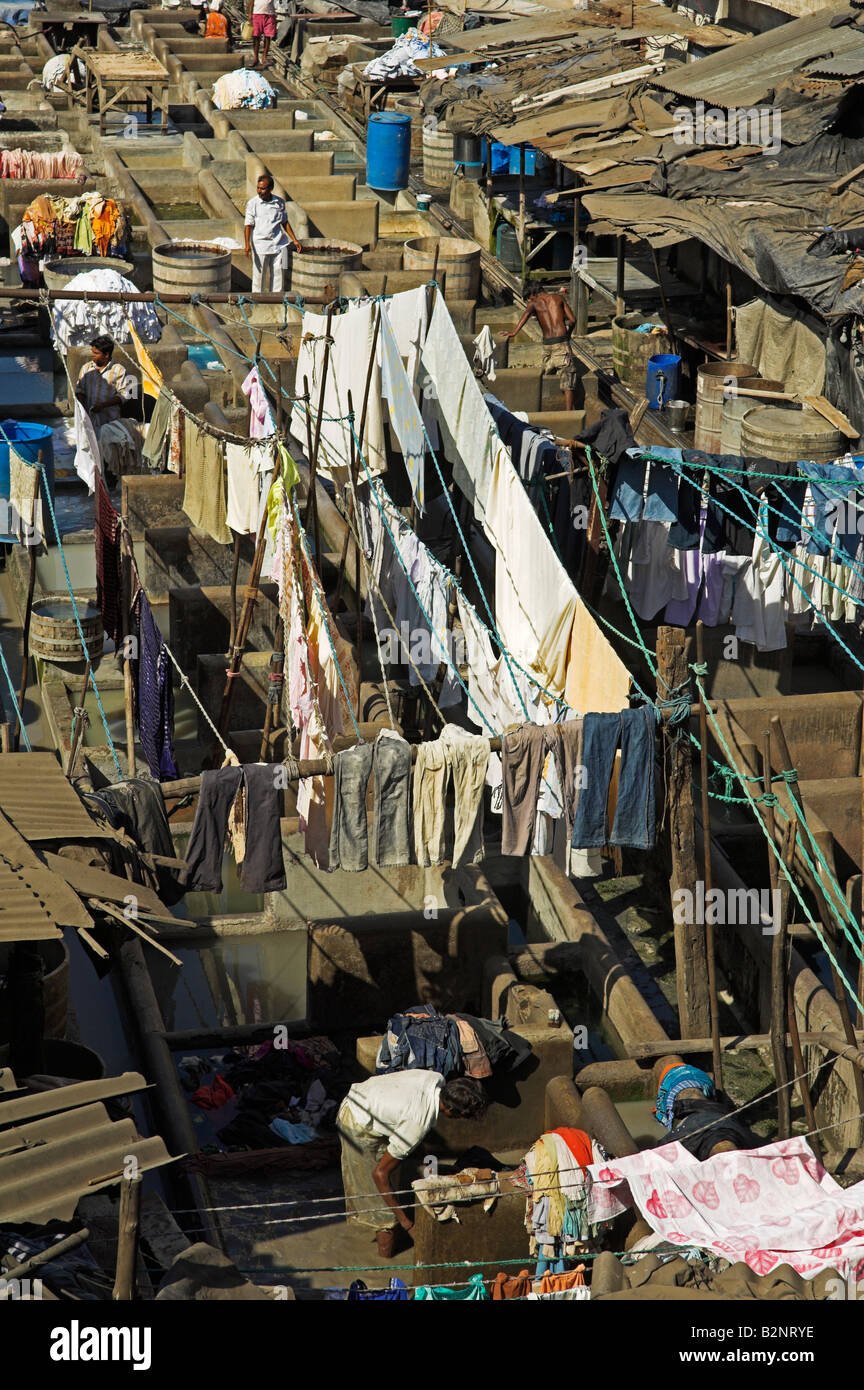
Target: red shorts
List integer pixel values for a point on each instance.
(264, 26)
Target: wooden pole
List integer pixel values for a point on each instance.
(5, 737)
(710, 946)
(275, 678)
(620, 302)
(522, 217)
(235, 570)
(691, 957)
(358, 591)
(127, 1246)
(823, 909)
(28, 610)
(778, 994)
(311, 505)
(666, 317)
(126, 628)
(791, 1016)
(578, 288)
(80, 721)
(728, 312)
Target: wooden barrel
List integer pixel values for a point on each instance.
(59, 272)
(458, 259)
(437, 157)
(410, 106)
(736, 407)
(631, 350)
(54, 633)
(316, 269)
(790, 435)
(191, 268)
(710, 382)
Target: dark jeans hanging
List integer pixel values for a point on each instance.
(263, 870)
(390, 759)
(633, 731)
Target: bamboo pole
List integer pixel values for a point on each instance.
(127, 1246)
(126, 578)
(79, 723)
(778, 1031)
(28, 609)
(710, 945)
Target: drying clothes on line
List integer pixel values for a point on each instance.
(610, 437)
(475, 1292)
(507, 1286)
(677, 1078)
(109, 584)
(77, 321)
(634, 822)
(156, 441)
(405, 418)
(151, 377)
(88, 463)
(395, 1292)
(351, 339)
(769, 1206)
(389, 759)
(420, 1038)
(262, 870)
(242, 88)
(38, 164)
(645, 488)
(204, 496)
(249, 468)
(154, 694)
(137, 807)
(408, 313)
(531, 450)
(398, 61)
(261, 422)
(442, 1194)
(561, 1288)
(553, 1173)
(25, 501)
(524, 754)
(484, 354)
(415, 587)
(120, 448)
(460, 755)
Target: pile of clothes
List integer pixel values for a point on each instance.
(38, 164)
(398, 61)
(267, 1096)
(51, 228)
(453, 1044)
(243, 87)
(557, 1213)
(77, 322)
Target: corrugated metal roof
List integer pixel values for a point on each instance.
(748, 71)
(849, 65)
(47, 1165)
(41, 803)
(23, 914)
(12, 1112)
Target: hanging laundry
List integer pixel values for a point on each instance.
(261, 422)
(475, 1292)
(524, 754)
(249, 467)
(151, 377)
(634, 822)
(732, 1204)
(154, 694)
(109, 583)
(176, 432)
(484, 353)
(25, 500)
(158, 430)
(558, 1216)
(405, 417)
(408, 313)
(204, 499)
(395, 1292)
(389, 758)
(430, 776)
(263, 870)
(351, 339)
(88, 463)
(78, 321)
(467, 761)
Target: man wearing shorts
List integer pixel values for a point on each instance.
(263, 16)
(556, 320)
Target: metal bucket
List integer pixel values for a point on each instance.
(54, 633)
(675, 414)
(315, 270)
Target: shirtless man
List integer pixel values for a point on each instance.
(556, 319)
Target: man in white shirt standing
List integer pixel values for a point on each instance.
(267, 236)
(262, 13)
(380, 1122)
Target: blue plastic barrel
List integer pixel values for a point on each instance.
(662, 379)
(388, 150)
(27, 440)
(500, 157)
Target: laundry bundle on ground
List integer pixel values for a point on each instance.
(451, 1044)
(557, 1217)
(398, 61)
(243, 87)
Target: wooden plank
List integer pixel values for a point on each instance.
(98, 883)
(133, 926)
(685, 1047)
(834, 416)
(839, 184)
